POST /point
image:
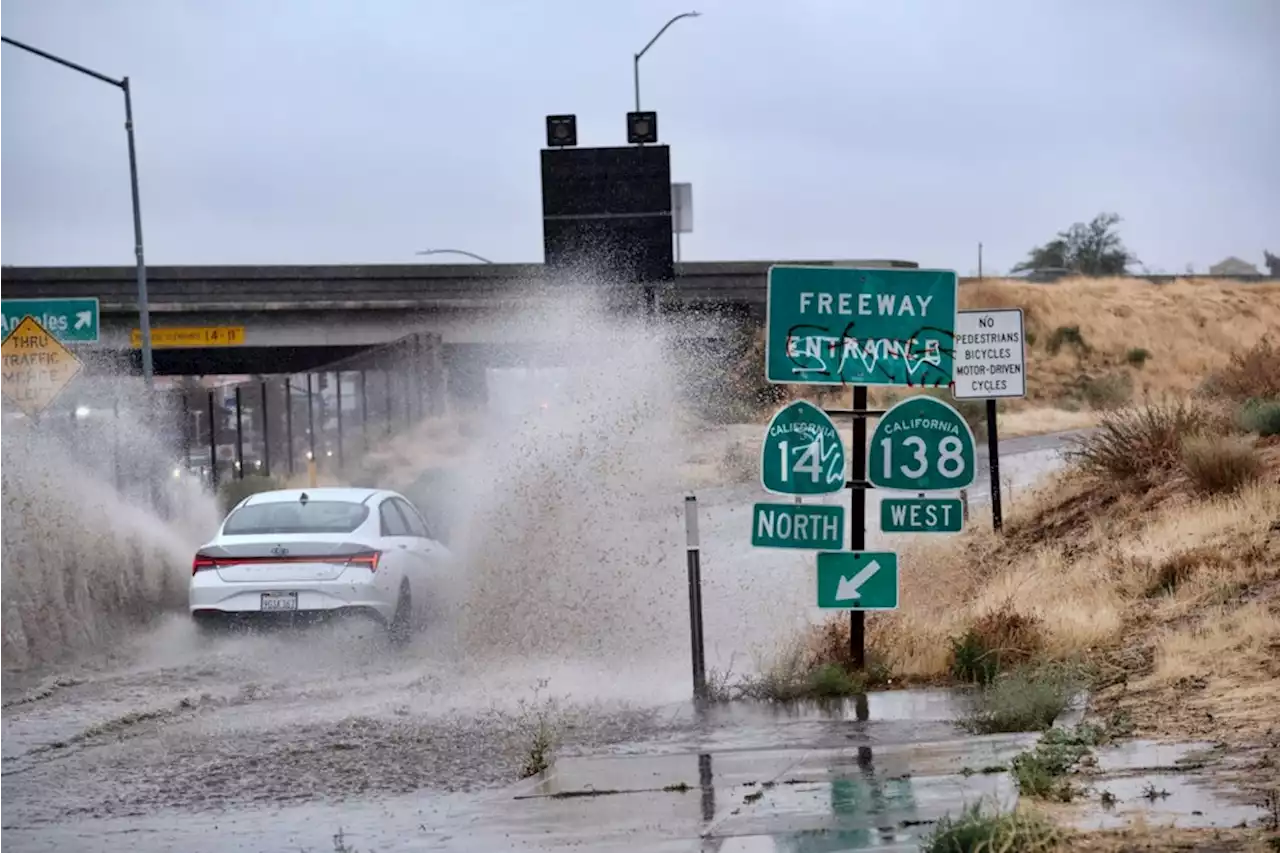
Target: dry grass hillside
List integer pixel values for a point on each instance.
(1166, 338)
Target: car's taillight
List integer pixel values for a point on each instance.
(200, 561)
(368, 559)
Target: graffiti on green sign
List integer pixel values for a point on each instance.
(803, 453)
(922, 445)
(836, 325)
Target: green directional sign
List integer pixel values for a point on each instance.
(817, 527)
(858, 580)
(922, 444)
(921, 515)
(860, 326)
(72, 320)
(803, 452)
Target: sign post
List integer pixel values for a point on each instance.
(860, 327)
(37, 367)
(70, 320)
(991, 363)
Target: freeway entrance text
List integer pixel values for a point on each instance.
(860, 326)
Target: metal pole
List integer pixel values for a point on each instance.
(636, 74)
(213, 445)
(338, 374)
(693, 557)
(386, 378)
(266, 433)
(364, 410)
(144, 307)
(993, 460)
(187, 438)
(858, 519)
(115, 441)
(144, 304)
(311, 423)
(979, 261)
(239, 438)
(288, 425)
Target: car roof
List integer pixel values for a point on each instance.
(344, 494)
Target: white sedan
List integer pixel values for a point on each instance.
(314, 553)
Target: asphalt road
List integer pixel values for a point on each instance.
(274, 742)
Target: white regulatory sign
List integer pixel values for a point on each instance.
(990, 359)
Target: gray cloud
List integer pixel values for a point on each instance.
(298, 131)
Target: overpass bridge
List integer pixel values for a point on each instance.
(298, 318)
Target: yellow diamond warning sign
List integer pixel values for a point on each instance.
(36, 366)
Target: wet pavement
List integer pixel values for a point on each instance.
(276, 742)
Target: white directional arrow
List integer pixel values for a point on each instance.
(848, 588)
(83, 318)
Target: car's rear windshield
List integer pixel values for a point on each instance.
(295, 517)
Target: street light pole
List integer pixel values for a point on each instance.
(479, 258)
(645, 49)
(144, 306)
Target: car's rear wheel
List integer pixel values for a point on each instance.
(401, 625)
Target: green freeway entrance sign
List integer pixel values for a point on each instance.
(803, 453)
(921, 445)
(858, 580)
(860, 326)
(818, 527)
(72, 321)
(921, 515)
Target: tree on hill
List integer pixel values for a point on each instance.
(1094, 249)
(1272, 262)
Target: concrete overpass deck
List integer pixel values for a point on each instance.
(196, 289)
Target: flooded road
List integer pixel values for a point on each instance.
(274, 742)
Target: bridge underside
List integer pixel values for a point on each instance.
(277, 361)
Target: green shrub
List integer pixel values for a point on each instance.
(1260, 416)
(980, 831)
(1064, 336)
(1040, 772)
(1027, 699)
(1137, 356)
(232, 491)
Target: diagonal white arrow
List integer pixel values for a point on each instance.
(848, 588)
(83, 318)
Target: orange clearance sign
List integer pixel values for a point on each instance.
(37, 367)
(195, 336)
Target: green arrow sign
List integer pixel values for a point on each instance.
(921, 445)
(72, 321)
(857, 326)
(921, 515)
(797, 526)
(858, 580)
(803, 453)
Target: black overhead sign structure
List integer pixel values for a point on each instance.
(606, 212)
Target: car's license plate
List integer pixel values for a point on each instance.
(279, 601)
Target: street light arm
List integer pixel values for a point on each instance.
(665, 27)
(120, 84)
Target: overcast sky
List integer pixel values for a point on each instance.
(318, 131)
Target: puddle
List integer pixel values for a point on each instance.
(1154, 782)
